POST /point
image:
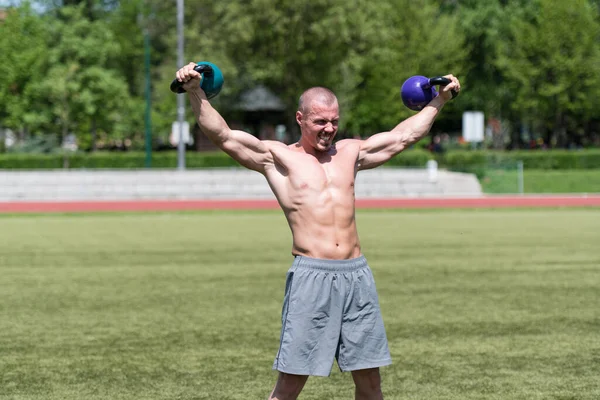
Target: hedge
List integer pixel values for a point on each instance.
(538, 159)
(463, 160)
(113, 160)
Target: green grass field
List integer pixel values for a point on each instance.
(499, 181)
(481, 304)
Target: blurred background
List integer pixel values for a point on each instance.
(84, 84)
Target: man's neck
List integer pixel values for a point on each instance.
(301, 145)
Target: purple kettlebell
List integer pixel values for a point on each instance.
(417, 91)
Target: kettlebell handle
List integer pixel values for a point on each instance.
(207, 70)
(440, 80)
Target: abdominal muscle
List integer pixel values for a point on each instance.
(323, 225)
(317, 196)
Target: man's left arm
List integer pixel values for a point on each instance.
(381, 147)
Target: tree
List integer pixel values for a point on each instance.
(92, 9)
(420, 40)
(80, 88)
(291, 45)
(550, 62)
(22, 66)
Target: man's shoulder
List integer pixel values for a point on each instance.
(348, 144)
(275, 144)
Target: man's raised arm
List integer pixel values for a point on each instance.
(248, 150)
(380, 148)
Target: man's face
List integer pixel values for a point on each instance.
(319, 124)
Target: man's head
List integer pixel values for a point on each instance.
(318, 116)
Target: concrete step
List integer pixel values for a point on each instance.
(228, 183)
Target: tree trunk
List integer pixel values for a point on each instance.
(516, 135)
(559, 130)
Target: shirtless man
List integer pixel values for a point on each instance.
(331, 309)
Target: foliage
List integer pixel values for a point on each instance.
(419, 40)
(550, 62)
(114, 160)
(78, 65)
(554, 159)
(455, 160)
(63, 82)
(80, 85)
(298, 44)
(482, 24)
(23, 64)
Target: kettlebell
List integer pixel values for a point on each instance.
(211, 83)
(417, 91)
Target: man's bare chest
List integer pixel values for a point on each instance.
(308, 172)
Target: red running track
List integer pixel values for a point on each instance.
(408, 203)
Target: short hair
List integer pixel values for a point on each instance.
(316, 94)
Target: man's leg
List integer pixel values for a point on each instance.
(288, 387)
(368, 384)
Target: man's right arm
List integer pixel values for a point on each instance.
(246, 149)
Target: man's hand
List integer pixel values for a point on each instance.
(190, 77)
(446, 91)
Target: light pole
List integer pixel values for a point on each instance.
(148, 92)
(143, 20)
(180, 97)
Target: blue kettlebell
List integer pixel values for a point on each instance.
(417, 91)
(212, 79)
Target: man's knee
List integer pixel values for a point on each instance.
(288, 386)
(368, 382)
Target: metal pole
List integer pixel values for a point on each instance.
(521, 177)
(180, 97)
(148, 100)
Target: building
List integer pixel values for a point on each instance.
(258, 111)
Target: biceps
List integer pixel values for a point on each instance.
(247, 150)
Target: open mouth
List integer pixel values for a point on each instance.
(325, 137)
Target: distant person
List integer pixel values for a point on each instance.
(331, 309)
(435, 146)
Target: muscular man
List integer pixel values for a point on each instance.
(331, 309)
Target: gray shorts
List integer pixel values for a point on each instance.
(330, 309)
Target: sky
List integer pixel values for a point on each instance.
(8, 3)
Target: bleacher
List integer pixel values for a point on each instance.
(227, 183)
